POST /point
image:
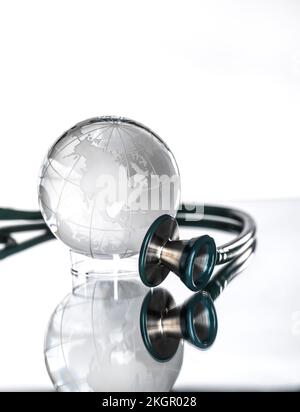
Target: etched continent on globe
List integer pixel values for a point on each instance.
(104, 182)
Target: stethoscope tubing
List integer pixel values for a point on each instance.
(214, 217)
(225, 219)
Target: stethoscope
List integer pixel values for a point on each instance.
(163, 324)
(193, 260)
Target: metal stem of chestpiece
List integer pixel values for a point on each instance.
(192, 260)
(163, 324)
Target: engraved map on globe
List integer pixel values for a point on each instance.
(104, 182)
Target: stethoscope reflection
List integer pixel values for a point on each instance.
(164, 324)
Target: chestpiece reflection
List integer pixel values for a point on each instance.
(164, 325)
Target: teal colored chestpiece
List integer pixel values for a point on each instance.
(163, 324)
(161, 252)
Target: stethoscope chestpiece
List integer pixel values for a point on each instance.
(163, 324)
(161, 252)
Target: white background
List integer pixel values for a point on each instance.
(219, 81)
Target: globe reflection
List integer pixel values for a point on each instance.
(94, 342)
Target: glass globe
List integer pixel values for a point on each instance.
(94, 342)
(104, 182)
